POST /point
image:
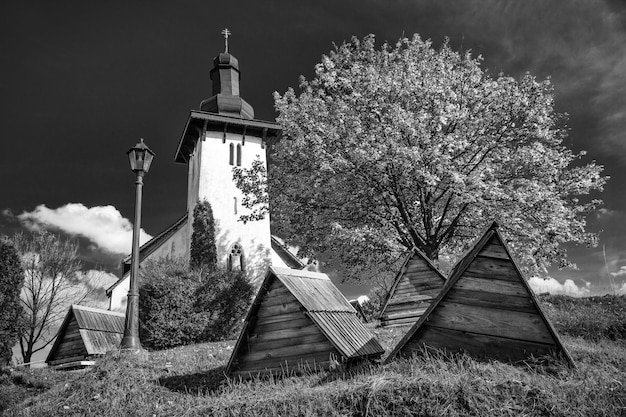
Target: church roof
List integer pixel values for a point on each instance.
(148, 248)
(285, 254)
(201, 121)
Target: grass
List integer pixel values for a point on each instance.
(189, 381)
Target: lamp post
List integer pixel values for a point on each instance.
(140, 157)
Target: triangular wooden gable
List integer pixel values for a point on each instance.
(416, 285)
(297, 327)
(485, 309)
(69, 345)
(277, 335)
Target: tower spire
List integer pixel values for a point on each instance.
(225, 78)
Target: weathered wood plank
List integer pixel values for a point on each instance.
(287, 352)
(279, 299)
(260, 345)
(292, 360)
(283, 371)
(494, 249)
(282, 325)
(312, 362)
(491, 300)
(66, 360)
(278, 318)
(307, 329)
(489, 321)
(477, 345)
(409, 298)
(398, 308)
(491, 285)
(270, 311)
(405, 314)
(400, 321)
(492, 268)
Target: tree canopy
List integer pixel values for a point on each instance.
(400, 146)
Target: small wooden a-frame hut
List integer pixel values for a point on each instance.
(485, 309)
(416, 285)
(85, 332)
(299, 321)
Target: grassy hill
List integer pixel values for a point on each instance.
(189, 380)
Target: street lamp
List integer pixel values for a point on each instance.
(140, 157)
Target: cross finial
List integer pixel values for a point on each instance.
(226, 34)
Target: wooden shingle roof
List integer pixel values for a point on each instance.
(99, 331)
(303, 304)
(330, 310)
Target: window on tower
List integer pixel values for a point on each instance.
(238, 155)
(235, 258)
(231, 159)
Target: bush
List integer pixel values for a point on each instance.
(179, 305)
(203, 253)
(222, 300)
(11, 281)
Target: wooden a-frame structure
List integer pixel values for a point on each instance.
(300, 321)
(416, 285)
(486, 309)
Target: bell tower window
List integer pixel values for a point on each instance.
(236, 258)
(231, 159)
(238, 155)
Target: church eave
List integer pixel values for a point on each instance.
(200, 121)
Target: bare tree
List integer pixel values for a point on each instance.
(51, 271)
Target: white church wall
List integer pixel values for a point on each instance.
(213, 178)
(177, 245)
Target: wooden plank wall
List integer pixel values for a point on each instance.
(281, 337)
(417, 288)
(71, 345)
(488, 313)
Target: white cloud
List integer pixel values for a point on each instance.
(622, 290)
(104, 226)
(552, 286)
(363, 299)
(620, 272)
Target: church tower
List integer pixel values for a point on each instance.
(218, 137)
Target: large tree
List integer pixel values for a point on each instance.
(11, 281)
(400, 146)
(51, 270)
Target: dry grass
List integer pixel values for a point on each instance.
(189, 381)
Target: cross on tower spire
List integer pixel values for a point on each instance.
(226, 34)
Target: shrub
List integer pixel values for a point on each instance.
(179, 305)
(166, 304)
(11, 281)
(203, 253)
(222, 300)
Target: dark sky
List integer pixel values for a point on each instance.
(81, 82)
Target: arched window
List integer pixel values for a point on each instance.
(231, 159)
(238, 155)
(236, 258)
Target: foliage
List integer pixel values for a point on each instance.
(179, 305)
(222, 301)
(592, 318)
(407, 146)
(189, 380)
(166, 312)
(11, 282)
(51, 266)
(203, 253)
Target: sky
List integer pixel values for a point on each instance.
(81, 82)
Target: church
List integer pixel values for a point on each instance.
(221, 135)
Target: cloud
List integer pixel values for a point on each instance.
(622, 290)
(552, 286)
(103, 226)
(620, 273)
